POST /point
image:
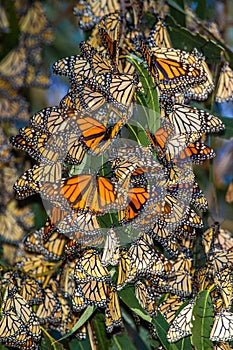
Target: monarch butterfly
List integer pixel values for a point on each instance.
(182, 263)
(224, 240)
(142, 256)
(112, 311)
(159, 36)
(21, 141)
(175, 148)
(125, 67)
(147, 301)
(29, 183)
(51, 249)
(90, 264)
(42, 146)
(85, 99)
(49, 310)
(137, 197)
(51, 120)
(208, 237)
(124, 270)
(198, 198)
(186, 119)
(111, 251)
(201, 91)
(192, 219)
(223, 281)
(93, 292)
(4, 23)
(30, 290)
(73, 65)
(34, 21)
(185, 230)
(224, 90)
(180, 282)
(161, 265)
(109, 29)
(180, 327)
(76, 224)
(13, 67)
(17, 316)
(95, 136)
(119, 90)
(222, 346)
(37, 266)
(12, 108)
(170, 306)
(56, 214)
(171, 68)
(94, 67)
(219, 259)
(85, 192)
(90, 12)
(160, 233)
(222, 329)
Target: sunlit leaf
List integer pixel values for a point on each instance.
(148, 111)
(202, 321)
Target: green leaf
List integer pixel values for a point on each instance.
(137, 133)
(148, 111)
(83, 319)
(177, 11)
(202, 321)
(104, 342)
(183, 39)
(128, 296)
(162, 327)
(76, 344)
(49, 343)
(122, 342)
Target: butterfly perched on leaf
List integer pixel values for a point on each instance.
(180, 327)
(222, 329)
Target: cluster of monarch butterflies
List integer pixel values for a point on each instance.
(148, 190)
(22, 66)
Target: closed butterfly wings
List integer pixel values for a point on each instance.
(224, 90)
(181, 325)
